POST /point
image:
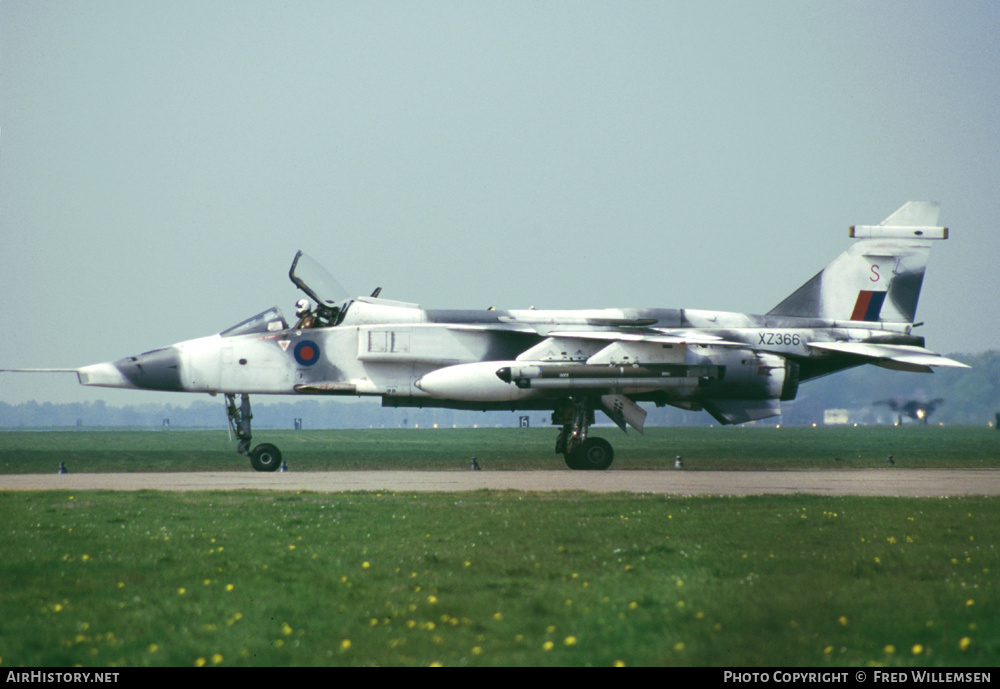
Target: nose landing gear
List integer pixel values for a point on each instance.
(264, 457)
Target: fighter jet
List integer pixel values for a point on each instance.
(918, 410)
(737, 367)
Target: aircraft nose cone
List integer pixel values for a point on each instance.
(155, 370)
(159, 369)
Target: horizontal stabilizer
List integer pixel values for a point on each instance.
(899, 357)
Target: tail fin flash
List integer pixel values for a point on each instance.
(878, 278)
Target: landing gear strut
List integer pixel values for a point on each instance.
(264, 457)
(575, 416)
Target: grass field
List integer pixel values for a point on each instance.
(497, 578)
(509, 448)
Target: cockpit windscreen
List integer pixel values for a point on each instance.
(269, 321)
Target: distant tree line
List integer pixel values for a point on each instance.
(309, 413)
(971, 397)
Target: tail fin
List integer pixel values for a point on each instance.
(877, 279)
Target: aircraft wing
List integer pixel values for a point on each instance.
(492, 327)
(664, 338)
(899, 357)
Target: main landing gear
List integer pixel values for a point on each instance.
(264, 457)
(575, 415)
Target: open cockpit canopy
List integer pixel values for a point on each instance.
(331, 299)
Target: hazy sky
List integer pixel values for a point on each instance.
(161, 162)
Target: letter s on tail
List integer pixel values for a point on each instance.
(878, 278)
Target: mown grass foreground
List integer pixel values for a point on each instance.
(486, 578)
(503, 448)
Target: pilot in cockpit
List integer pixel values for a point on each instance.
(303, 311)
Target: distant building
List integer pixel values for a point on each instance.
(836, 417)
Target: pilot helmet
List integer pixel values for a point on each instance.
(302, 307)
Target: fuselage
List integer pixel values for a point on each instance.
(387, 348)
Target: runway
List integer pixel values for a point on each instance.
(924, 483)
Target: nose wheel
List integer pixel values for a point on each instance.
(264, 457)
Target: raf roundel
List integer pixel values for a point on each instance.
(307, 352)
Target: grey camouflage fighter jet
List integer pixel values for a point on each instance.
(738, 367)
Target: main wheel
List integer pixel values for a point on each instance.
(595, 454)
(265, 457)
